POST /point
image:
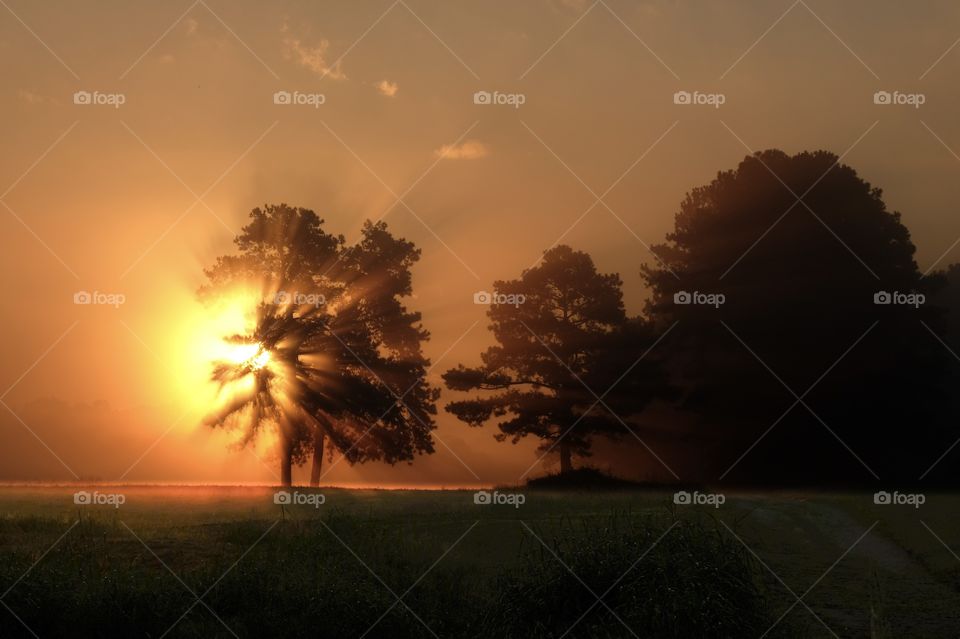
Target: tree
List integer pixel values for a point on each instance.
(562, 335)
(948, 297)
(336, 356)
(804, 291)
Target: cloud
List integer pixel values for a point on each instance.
(388, 88)
(312, 57)
(29, 97)
(468, 150)
(191, 26)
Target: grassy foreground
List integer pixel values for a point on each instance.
(212, 562)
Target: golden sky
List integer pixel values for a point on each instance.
(139, 190)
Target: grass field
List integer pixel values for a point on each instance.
(212, 562)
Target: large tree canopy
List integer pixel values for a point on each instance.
(801, 280)
(563, 341)
(346, 363)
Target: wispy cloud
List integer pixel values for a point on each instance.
(191, 26)
(468, 150)
(388, 88)
(313, 57)
(30, 97)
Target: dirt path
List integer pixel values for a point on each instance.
(878, 588)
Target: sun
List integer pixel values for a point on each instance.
(260, 360)
(253, 356)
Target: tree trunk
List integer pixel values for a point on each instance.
(286, 471)
(566, 460)
(286, 459)
(318, 440)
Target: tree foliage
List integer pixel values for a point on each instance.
(564, 368)
(800, 280)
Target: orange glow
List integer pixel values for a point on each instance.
(200, 339)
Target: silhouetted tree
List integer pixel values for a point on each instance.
(339, 356)
(562, 335)
(949, 298)
(800, 286)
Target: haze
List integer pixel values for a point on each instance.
(137, 200)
